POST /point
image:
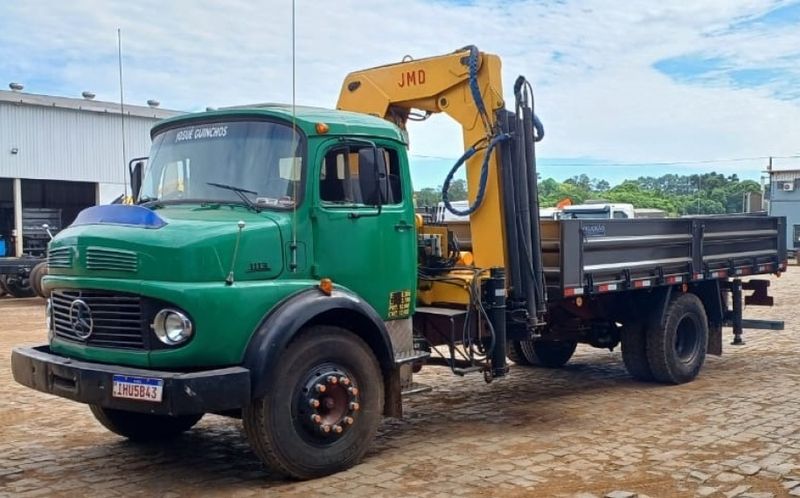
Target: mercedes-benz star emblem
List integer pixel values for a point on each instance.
(80, 318)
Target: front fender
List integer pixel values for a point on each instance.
(288, 318)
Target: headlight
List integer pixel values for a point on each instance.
(172, 327)
(48, 319)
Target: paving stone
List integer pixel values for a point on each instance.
(620, 494)
(738, 490)
(706, 490)
(748, 469)
(699, 476)
(728, 477)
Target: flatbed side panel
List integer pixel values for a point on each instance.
(742, 244)
(618, 251)
(616, 254)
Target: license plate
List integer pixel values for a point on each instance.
(141, 388)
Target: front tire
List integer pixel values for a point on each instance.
(143, 427)
(322, 414)
(676, 350)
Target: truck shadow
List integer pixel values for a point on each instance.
(534, 402)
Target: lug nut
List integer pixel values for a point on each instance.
(316, 418)
(354, 406)
(326, 428)
(332, 380)
(353, 391)
(348, 420)
(337, 429)
(344, 381)
(321, 388)
(314, 403)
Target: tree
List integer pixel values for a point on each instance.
(428, 196)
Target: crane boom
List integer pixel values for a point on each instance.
(442, 84)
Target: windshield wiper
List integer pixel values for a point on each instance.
(241, 193)
(149, 202)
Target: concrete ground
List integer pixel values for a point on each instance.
(584, 430)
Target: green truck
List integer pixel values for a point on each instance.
(273, 270)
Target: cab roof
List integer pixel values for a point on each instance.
(339, 122)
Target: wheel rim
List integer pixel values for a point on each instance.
(687, 339)
(327, 404)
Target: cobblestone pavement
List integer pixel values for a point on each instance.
(584, 430)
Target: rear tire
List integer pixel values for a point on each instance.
(634, 351)
(19, 287)
(35, 278)
(550, 354)
(287, 431)
(143, 427)
(677, 349)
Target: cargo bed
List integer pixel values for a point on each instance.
(592, 256)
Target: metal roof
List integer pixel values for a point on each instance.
(784, 174)
(81, 104)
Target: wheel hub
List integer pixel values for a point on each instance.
(329, 401)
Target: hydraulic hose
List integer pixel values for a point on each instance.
(497, 139)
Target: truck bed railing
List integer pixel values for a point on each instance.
(613, 255)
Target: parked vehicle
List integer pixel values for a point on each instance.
(274, 270)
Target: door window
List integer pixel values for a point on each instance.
(339, 176)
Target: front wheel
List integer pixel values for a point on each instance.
(143, 427)
(321, 415)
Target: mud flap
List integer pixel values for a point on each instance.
(714, 340)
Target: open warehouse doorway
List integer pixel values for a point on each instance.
(54, 202)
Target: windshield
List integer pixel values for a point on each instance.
(260, 159)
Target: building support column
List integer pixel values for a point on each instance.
(18, 217)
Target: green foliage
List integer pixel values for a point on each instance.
(707, 193)
(429, 196)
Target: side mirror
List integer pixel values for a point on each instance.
(136, 172)
(372, 176)
(136, 179)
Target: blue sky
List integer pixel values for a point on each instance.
(642, 89)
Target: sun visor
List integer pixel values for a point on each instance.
(120, 214)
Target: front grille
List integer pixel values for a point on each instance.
(103, 258)
(60, 257)
(116, 318)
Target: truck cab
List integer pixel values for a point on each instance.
(254, 229)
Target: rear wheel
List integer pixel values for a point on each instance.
(550, 354)
(634, 351)
(19, 287)
(143, 426)
(35, 278)
(322, 414)
(677, 349)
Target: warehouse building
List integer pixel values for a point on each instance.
(59, 155)
(784, 200)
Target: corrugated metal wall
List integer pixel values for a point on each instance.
(66, 144)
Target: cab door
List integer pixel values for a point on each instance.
(368, 248)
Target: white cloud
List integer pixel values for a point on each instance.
(599, 97)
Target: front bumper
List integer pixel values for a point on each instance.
(184, 393)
